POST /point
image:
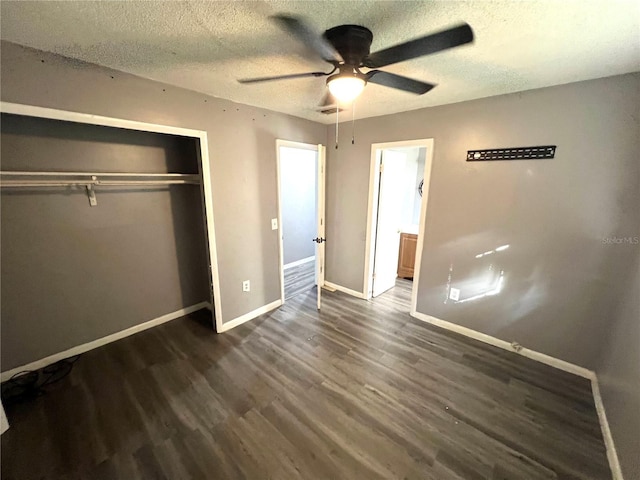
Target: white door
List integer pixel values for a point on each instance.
(390, 202)
(320, 240)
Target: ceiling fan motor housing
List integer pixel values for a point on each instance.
(352, 42)
(347, 49)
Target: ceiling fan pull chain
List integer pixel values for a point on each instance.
(337, 110)
(353, 123)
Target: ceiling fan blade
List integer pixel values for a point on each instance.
(419, 47)
(397, 81)
(309, 37)
(282, 77)
(328, 100)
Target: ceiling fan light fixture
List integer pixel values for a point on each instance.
(346, 88)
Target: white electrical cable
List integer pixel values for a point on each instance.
(353, 123)
(337, 110)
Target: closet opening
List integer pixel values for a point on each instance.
(105, 232)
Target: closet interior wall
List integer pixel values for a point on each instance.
(72, 273)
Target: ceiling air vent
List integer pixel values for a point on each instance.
(329, 111)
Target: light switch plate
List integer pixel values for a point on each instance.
(454, 294)
(274, 224)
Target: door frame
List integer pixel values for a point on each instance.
(301, 146)
(203, 165)
(372, 211)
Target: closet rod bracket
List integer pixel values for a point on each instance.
(91, 193)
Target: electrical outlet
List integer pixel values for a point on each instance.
(246, 286)
(274, 224)
(454, 294)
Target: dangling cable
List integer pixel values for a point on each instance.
(353, 123)
(337, 110)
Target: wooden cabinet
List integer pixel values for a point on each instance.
(407, 257)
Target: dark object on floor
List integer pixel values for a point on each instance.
(30, 384)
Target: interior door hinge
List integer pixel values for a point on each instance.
(381, 167)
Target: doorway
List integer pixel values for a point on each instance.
(301, 207)
(399, 186)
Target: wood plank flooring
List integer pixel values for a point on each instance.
(299, 279)
(358, 391)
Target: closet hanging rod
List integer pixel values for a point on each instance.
(13, 179)
(95, 183)
(89, 174)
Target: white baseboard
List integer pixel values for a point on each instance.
(346, 290)
(496, 342)
(612, 455)
(250, 316)
(85, 347)
(299, 262)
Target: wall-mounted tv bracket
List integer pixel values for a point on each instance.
(518, 153)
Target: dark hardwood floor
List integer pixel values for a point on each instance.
(299, 279)
(358, 391)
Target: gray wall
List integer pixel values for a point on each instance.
(72, 273)
(560, 279)
(298, 193)
(241, 148)
(569, 287)
(619, 369)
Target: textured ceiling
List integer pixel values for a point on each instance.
(206, 46)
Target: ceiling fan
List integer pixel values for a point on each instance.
(346, 47)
